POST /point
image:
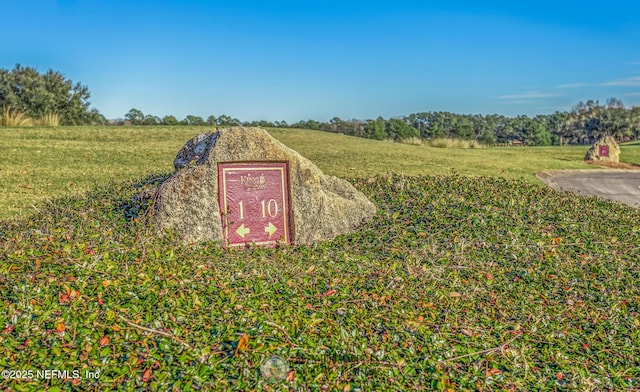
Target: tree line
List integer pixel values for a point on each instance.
(25, 91)
(137, 117)
(584, 124)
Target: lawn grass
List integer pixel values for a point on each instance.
(41, 163)
(350, 157)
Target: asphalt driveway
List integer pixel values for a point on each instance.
(618, 185)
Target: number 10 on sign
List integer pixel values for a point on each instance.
(271, 210)
(254, 203)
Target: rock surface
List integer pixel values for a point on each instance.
(186, 204)
(606, 149)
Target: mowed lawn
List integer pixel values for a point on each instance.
(43, 163)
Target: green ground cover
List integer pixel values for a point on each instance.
(488, 282)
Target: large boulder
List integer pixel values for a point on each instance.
(606, 149)
(187, 204)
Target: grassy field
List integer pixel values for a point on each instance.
(41, 163)
(488, 282)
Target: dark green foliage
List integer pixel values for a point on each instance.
(170, 120)
(589, 121)
(25, 90)
(458, 283)
(534, 133)
(192, 120)
(583, 125)
(398, 129)
(486, 129)
(137, 117)
(310, 124)
(375, 129)
(227, 121)
(211, 120)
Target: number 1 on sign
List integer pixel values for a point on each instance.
(241, 205)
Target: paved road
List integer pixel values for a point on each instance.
(618, 185)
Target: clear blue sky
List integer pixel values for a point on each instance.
(296, 60)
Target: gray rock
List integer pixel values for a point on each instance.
(195, 151)
(606, 149)
(186, 204)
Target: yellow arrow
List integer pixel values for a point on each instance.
(242, 231)
(270, 229)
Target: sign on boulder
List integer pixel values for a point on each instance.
(254, 202)
(240, 186)
(606, 149)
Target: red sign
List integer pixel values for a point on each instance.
(604, 151)
(254, 203)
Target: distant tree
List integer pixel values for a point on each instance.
(357, 127)
(462, 127)
(483, 129)
(436, 125)
(266, 124)
(634, 122)
(96, 118)
(339, 125)
(325, 127)
(589, 121)
(375, 129)
(313, 124)
(504, 130)
(135, 116)
(151, 120)
(194, 120)
(24, 89)
(211, 120)
(398, 129)
(261, 124)
(281, 124)
(554, 125)
(170, 120)
(224, 121)
(309, 124)
(614, 103)
(532, 132)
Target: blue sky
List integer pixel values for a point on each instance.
(298, 60)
